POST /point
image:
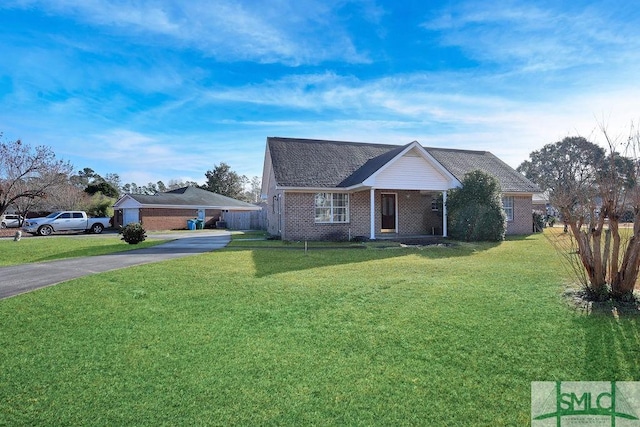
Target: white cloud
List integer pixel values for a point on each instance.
(538, 37)
(292, 33)
(541, 75)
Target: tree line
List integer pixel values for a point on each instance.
(32, 179)
(595, 188)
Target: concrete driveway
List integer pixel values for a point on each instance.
(18, 279)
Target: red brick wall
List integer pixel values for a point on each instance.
(522, 216)
(300, 218)
(359, 213)
(154, 219)
(411, 208)
(166, 219)
(415, 216)
(300, 222)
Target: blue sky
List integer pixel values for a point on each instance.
(165, 90)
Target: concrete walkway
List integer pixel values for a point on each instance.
(18, 279)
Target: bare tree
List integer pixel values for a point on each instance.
(67, 197)
(593, 188)
(619, 190)
(28, 173)
(252, 195)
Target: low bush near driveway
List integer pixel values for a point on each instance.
(133, 233)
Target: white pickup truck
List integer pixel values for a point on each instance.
(64, 221)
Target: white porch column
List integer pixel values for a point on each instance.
(444, 213)
(372, 214)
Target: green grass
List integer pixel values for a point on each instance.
(447, 336)
(249, 235)
(37, 249)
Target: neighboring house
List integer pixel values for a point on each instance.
(172, 209)
(316, 189)
(541, 203)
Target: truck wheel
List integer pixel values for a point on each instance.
(97, 228)
(45, 230)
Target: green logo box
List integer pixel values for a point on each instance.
(585, 403)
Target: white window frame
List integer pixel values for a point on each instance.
(508, 205)
(331, 208)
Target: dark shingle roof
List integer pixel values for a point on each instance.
(461, 162)
(318, 163)
(334, 164)
(191, 196)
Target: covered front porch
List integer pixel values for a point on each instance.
(397, 214)
(408, 194)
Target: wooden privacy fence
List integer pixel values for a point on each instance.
(251, 220)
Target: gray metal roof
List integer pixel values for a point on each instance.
(334, 164)
(193, 197)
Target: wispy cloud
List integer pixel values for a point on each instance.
(292, 33)
(138, 85)
(537, 37)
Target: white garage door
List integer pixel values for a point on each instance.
(130, 215)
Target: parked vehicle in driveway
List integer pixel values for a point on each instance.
(65, 221)
(10, 220)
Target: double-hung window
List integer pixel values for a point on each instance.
(507, 205)
(331, 207)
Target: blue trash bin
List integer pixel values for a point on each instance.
(191, 224)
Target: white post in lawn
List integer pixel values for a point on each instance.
(372, 214)
(444, 213)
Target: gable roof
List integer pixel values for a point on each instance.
(319, 163)
(312, 163)
(371, 166)
(190, 197)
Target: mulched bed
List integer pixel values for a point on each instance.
(577, 298)
(422, 242)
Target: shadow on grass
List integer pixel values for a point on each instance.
(114, 249)
(280, 257)
(612, 347)
(83, 252)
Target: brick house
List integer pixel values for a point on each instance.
(171, 210)
(317, 189)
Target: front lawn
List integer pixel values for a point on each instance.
(38, 249)
(441, 336)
